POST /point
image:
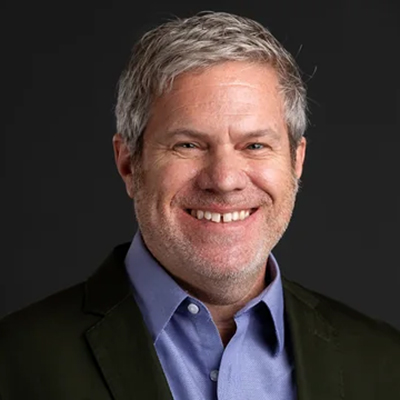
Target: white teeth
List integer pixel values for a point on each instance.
(207, 215)
(217, 217)
(227, 217)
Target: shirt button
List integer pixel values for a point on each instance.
(193, 308)
(214, 375)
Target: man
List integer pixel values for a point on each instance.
(211, 115)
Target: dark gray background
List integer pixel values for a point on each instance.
(64, 206)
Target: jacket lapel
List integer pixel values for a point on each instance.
(119, 341)
(315, 346)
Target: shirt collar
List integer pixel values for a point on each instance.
(158, 295)
(272, 297)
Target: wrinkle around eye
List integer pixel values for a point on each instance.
(183, 146)
(266, 152)
(180, 150)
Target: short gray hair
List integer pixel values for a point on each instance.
(183, 45)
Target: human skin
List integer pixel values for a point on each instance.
(217, 141)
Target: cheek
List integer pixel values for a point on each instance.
(273, 179)
(170, 178)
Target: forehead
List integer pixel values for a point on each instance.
(235, 95)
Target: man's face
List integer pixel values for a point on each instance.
(217, 143)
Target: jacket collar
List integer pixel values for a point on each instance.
(315, 346)
(124, 351)
(108, 286)
(120, 342)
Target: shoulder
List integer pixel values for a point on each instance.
(48, 319)
(44, 341)
(367, 349)
(66, 309)
(351, 325)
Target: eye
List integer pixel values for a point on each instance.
(256, 146)
(187, 145)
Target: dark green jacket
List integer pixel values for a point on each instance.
(90, 342)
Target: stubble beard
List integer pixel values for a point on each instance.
(221, 279)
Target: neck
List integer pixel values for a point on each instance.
(223, 308)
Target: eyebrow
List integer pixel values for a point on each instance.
(202, 135)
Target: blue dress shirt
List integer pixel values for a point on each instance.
(255, 364)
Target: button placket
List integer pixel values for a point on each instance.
(214, 375)
(193, 308)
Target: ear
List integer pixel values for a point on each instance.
(123, 162)
(300, 156)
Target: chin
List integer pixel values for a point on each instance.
(228, 266)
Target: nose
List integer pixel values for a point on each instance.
(223, 171)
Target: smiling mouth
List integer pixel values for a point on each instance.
(235, 216)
